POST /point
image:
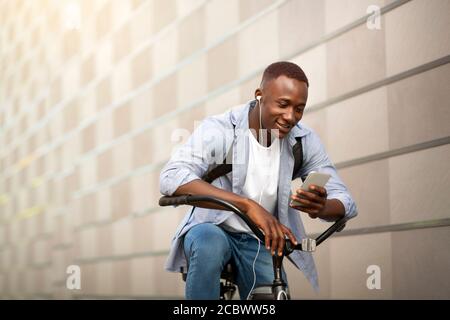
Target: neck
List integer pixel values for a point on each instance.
(253, 123)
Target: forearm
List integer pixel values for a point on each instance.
(200, 187)
(334, 209)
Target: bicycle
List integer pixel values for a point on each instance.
(278, 289)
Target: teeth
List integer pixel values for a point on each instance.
(284, 126)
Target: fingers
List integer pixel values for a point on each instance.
(313, 195)
(290, 235)
(305, 203)
(267, 236)
(274, 237)
(281, 240)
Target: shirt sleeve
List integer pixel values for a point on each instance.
(191, 160)
(315, 158)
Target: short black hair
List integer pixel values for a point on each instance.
(284, 68)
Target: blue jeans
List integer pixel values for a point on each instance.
(208, 248)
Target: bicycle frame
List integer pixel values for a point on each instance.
(278, 288)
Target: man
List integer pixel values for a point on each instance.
(261, 135)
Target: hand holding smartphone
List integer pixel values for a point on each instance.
(313, 178)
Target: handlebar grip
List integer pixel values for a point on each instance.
(173, 201)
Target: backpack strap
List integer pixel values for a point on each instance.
(222, 169)
(227, 164)
(297, 151)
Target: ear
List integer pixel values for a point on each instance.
(258, 93)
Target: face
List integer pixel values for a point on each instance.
(283, 102)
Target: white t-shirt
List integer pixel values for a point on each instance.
(261, 182)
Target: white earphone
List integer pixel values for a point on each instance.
(260, 122)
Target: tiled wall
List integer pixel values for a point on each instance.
(91, 92)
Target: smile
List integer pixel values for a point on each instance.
(283, 128)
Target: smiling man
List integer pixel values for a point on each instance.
(260, 138)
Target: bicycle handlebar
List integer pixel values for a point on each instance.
(308, 245)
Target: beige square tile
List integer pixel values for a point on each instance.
(340, 13)
(122, 236)
(421, 261)
(191, 34)
(222, 64)
(104, 205)
(121, 204)
(89, 279)
(142, 277)
(103, 94)
(252, 55)
(409, 44)
(300, 23)
(71, 115)
(88, 69)
(164, 96)
(105, 165)
(88, 138)
(223, 102)
(215, 24)
(142, 109)
(186, 7)
(165, 140)
(369, 186)
(122, 43)
(104, 281)
(121, 81)
(417, 182)
(165, 53)
(71, 44)
(249, 8)
(191, 83)
(350, 258)
(122, 277)
(88, 107)
(141, 188)
(104, 20)
(88, 208)
(167, 284)
(164, 13)
(143, 233)
(193, 117)
(121, 12)
(122, 120)
(418, 108)
(70, 80)
(352, 123)
(104, 128)
(355, 59)
(141, 24)
(88, 243)
(122, 153)
(104, 56)
(142, 153)
(163, 229)
(141, 68)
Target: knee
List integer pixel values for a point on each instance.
(208, 242)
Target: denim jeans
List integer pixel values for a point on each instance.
(208, 248)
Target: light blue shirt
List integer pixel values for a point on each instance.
(210, 143)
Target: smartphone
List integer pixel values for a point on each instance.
(316, 178)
